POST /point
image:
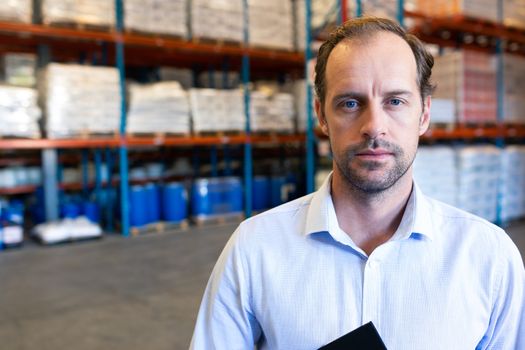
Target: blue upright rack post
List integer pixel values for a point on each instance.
(500, 90)
(359, 8)
(123, 150)
(401, 12)
(310, 141)
(247, 144)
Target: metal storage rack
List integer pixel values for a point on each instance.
(121, 49)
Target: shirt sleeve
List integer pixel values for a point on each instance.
(507, 323)
(225, 320)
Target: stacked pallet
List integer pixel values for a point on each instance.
(18, 69)
(13, 176)
(381, 8)
(481, 9)
(16, 10)
(83, 12)
(214, 110)
(512, 199)
(513, 94)
(158, 108)
(19, 112)
(478, 180)
(514, 13)
(157, 16)
(217, 19)
(435, 172)
(271, 23)
(272, 112)
(299, 93)
(80, 100)
(468, 78)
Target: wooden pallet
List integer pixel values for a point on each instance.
(86, 135)
(157, 135)
(160, 227)
(155, 35)
(217, 220)
(216, 41)
(223, 133)
(80, 26)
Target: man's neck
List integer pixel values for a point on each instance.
(370, 219)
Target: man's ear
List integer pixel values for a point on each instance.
(321, 117)
(424, 120)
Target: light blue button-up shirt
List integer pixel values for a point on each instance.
(290, 278)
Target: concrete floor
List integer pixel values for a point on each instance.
(115, 293)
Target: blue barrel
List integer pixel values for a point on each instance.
(14, 213)
(70, 210)
(174, 202)
(201, 203)
(137, 206)
(152, 203)
(91, 210)
(234, 194)
(278, 191)
(260, 193)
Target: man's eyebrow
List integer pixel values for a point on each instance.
(398, 93)
(349, 95)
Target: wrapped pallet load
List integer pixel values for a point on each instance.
(84, 12)
(214, 110)
(80, 100)
(158, 108)
(513, 93)
(19, 112)
(512, 189)
(19, 69)
(16, 10)
(469, 79)
(217, 19)
(271, 23)
(157, 16)
(272, 111)
(480, 9)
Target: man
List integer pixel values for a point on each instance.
(368, 245)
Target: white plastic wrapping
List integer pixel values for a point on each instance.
(160, 107)
(19, 113)
(90, 12)
(157, 16)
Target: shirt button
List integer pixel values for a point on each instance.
(373, 264)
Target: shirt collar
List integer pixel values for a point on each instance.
(417, 219)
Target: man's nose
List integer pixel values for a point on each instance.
(374, 122)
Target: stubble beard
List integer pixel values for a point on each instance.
(356, 176)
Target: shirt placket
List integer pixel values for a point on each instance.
(371, 291)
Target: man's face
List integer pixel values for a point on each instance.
(373, 113)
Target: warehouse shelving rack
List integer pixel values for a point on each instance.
(128, 49)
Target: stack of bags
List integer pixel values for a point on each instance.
(271, 23)
(483, 9)
(19, 69)
(514, 13)
(435, 172)
(443, 111)
(468, 78)
(381, 8)
(217, 19)
(512, 199)
(14, 176)
(513, 95)
(16, 10)
(217, 110)
(80, 100)
(478, 180)
(271, 111)
(19, 112)
(90, 12)
(160, 107)
(213, 79)
(157, 16)
(323, 13)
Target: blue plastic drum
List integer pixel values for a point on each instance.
(278, 191)
(174, 202)
(92, 211)
(201, 201)
(234, 196)
(70, 210)
(152, 203)
(260, 193)
(137, 206)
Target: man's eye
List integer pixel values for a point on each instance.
(350, 104)
(395, 102)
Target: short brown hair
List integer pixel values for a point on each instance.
(365, 26)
